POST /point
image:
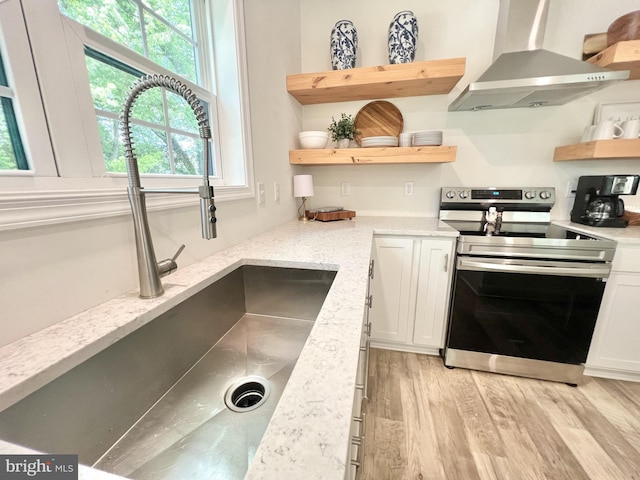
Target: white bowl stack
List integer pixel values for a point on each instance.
(379, 141)
(313, 139)
(427, 138)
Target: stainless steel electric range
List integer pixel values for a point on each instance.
(526, 293)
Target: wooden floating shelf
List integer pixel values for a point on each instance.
(599, 149)
(434, 77)
(620, 56)
(373, 156)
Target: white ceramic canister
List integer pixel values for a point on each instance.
(589, 133)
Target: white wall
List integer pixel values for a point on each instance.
(52, 272)
(500, 147)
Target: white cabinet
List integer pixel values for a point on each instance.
(391, 288)
(432, 299)
(615, 347)
(411, 292)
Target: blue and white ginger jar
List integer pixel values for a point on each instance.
(403, 37)
(344, 42)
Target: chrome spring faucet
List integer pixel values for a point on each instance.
(149, 270)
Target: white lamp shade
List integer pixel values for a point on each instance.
(302, 186)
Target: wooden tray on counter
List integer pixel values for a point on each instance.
(330, 216)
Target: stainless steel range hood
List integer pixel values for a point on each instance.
(525, 75)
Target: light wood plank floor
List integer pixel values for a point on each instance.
(425, 421)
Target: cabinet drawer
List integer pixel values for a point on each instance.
(627, 259)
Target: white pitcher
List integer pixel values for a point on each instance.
(607, 129)
(631, 127)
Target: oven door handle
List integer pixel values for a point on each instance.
(536, 268)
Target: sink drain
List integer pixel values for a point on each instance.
(247, 394)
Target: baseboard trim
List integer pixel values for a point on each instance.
(611, 373)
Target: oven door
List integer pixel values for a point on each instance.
(544, 311)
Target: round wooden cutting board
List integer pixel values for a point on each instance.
(379, 118)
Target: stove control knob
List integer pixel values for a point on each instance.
(464, 194)
(545, 195)
(450, 194)
(529, 195)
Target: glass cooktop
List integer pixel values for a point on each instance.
(517, 229)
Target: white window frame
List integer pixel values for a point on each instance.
(14, 46)
(78, 36)
(83, 188)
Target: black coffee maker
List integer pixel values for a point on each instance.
(597, 203)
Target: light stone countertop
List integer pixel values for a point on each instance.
(309, 433)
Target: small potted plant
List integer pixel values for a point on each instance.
(343, 130)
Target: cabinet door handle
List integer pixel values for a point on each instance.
(359, 441)
(367, 355)
(446, 262)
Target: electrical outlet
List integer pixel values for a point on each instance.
(572, 185)
(261, 195)
(345, 189)
(408, 189)
(276, 192)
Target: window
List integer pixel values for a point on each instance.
(12, 156)
(165, 131)
(66, 80)
(25, 148)
(161, 30)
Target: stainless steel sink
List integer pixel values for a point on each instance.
(152, 405)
